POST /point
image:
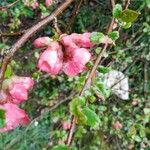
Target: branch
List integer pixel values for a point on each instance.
(12, 34)
(127, 4)
(89, 79)
(28, 34)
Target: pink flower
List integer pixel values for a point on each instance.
(14, 117)
(42, 42)
(66, 125)
(17, 88)
(117, 125)
(48, 3)
(51, 59)
(75, 61)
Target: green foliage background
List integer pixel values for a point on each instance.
(131, 55)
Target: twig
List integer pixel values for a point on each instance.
(29, 33)
(127, 4)
(12, 34)
(145, 78)
(113, 3)
(74, 14)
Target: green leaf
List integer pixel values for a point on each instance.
(96, 37)
(101, 87)
(75, 105)
(76, 109)
(132, 132)
(92, 117)
(114, 35)
(148, 3)
(117, 11)
(103, 69)
(129, 15)
(142, 132)
(60, 147)
(8, 71)
(2, 118)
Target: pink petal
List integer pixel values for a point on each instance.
(82, 40)
(51, 59)
(18, 93)
(14, 117)
(27, 82)
(76, 62)
(42, 42)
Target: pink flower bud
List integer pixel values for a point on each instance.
(117, 125)
(42, 42)
(51, 59)
(14, 116)
(82, 40)
(75, 61)
(35, 4)
(135, 102)
(66, 125)
(48, 3)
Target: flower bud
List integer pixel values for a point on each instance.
(66, 125)
(117, 125)
(42, 42)
(48, 3)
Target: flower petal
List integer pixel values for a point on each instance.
(14, 117)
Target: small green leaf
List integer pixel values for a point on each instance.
(142, 132)
(132, 132)
(117, 11)
(75, 105)
(2, 118)
(148, 3)
(92, 117)
(97, 50)
(129, 15)
(101, 87)
(60, 147)
(8, 71)
(114, 35)
(76, 109)
(96, 37)
(103, 69)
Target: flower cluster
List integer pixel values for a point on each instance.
(34, 3)
(69, 55)
(14, 91)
